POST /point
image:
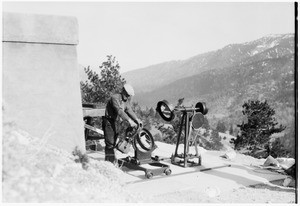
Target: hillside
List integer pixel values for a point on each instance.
(155, 76)
(225, 90)
(262, 69)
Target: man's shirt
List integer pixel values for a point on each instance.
(117, 108)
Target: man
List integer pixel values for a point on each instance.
(118, 109)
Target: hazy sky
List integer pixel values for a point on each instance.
(147, 33)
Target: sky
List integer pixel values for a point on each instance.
(140, 34)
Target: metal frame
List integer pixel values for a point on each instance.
(187, 112)
(184, 159)
(144, 157)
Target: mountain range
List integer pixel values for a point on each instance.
(224, 79)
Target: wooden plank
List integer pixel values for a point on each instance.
(100, 131)
(89, 112)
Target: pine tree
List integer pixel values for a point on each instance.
(99, 88)
(260, 125)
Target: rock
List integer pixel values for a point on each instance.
(270, 161)
(286, 163)
(230, 155)
(291, 171)
(287, 182)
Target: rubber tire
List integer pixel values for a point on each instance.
(166, 104)
(140, 142)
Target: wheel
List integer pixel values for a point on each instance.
(149, 175)
(135, 161)
(168, 171)
(144, 140)
(128, 159)
(165, 110)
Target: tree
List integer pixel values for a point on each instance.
(221, 127)
(206, 124)
(137, 109)
(261, 124)
(97, 89)
(216, 140)
(206, 127)
(278, 149)
(231, 130)
(152, 112)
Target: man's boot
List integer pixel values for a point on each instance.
(110, 155)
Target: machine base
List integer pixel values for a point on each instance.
(135, 164)
(186, 161)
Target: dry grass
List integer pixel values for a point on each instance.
(36, 172)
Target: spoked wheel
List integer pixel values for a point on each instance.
(149, 175)
(168, 171)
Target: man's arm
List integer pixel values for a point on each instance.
(130, 112)
(119, 109)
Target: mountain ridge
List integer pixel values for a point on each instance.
(263, 70)
(162, 74)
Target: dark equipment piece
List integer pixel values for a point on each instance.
(143, 145)
(192, 117)
(92, 114)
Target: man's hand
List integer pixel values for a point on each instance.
(132, 123)
(140, 123)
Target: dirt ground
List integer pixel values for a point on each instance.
(37, 172)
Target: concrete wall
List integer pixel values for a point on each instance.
(41, 90)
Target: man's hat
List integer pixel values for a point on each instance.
(129, 89)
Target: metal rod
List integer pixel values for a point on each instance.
(186, 133)
(179, 134)
(211, 168)
(186, 109)
(189, 135)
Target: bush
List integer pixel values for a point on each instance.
(221, 127)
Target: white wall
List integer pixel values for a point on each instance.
(41, 90)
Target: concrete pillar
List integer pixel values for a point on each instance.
(41, 90)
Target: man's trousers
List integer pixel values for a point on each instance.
(110, 135)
